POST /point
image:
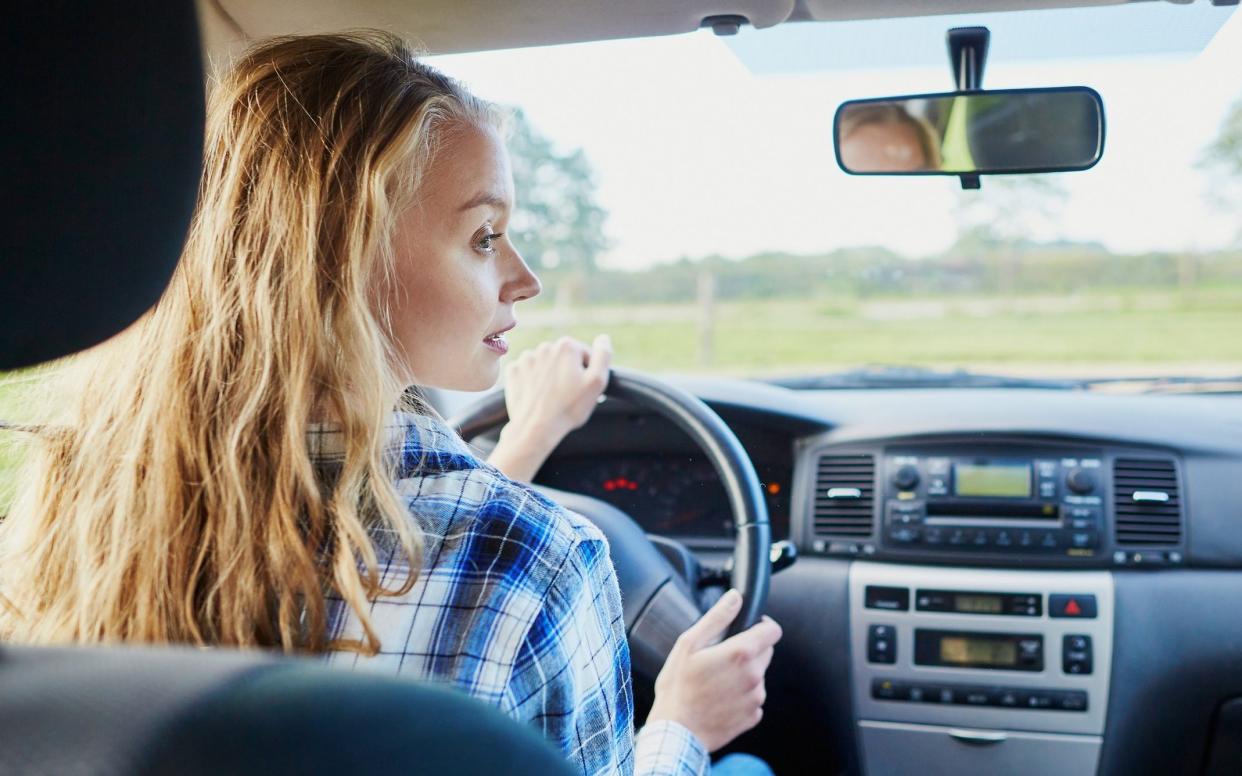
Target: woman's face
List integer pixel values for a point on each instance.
(887, 147)
(457, 276)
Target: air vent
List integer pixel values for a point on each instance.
(844, 495)
(1147, 505)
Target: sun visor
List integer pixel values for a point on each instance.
(854, 43)
(451, 26)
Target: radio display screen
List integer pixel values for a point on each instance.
(992, 480)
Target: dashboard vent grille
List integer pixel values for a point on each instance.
(845, 495)
(1147, 503)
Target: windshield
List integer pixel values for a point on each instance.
(682, 195)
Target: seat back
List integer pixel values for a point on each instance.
(101, 146)
(157, 711)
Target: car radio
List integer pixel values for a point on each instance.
(1008, 503)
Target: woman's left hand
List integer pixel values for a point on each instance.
(549, 391)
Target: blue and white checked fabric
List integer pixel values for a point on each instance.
(516, 603)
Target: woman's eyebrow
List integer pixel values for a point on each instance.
(486, 198)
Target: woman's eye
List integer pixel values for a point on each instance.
(485, 243)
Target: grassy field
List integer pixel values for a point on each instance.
(1105, 334)
(1140, 333)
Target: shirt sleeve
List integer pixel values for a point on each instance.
(571, 678)
(666, 748)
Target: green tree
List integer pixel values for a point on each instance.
(1223, 157)
(1225, 152)
(558, 222)
(997, 221)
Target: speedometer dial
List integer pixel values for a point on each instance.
(668, 495)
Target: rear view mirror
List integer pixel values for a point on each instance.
(972, 133)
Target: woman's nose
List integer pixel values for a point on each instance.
(524, 284)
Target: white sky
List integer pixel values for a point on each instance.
(695, 155)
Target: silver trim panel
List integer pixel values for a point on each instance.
(1100, 629)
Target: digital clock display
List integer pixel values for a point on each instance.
(992, 480)
(966, 651)
(978, 604)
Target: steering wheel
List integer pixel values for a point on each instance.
(658, 602)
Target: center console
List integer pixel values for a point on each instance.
(965, 670)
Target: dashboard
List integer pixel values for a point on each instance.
(677, 496)
(988, 580)
(653, 472)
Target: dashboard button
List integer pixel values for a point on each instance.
(933, 536)
(1004, 538)
(1036, 700)
(1074, 606)
(975, 697)
(1076, 657)
(887, 690)
(894, 599)
(1009, 698)
(980, 540)
(882, 644)
(1072, 700)
(905, 535)
(1080, 539)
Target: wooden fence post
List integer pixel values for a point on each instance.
(707, 316)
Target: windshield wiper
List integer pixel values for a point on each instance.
(920, 377)
(1168, 384)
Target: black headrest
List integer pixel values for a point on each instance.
(101, 150)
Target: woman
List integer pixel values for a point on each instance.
(235, 473)
(885, 137)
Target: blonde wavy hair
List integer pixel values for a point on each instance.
(180, 502)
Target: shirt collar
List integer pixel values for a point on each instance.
(422, 444)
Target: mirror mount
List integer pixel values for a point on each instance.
(968, 53)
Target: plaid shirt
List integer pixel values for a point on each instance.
(516, 603)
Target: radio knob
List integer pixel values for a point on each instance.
(1080, 481)
(906, 477)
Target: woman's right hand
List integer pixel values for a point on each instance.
(716, 688)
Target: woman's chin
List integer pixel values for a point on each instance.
(481, 379)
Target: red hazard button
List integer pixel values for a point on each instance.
(1081, 606)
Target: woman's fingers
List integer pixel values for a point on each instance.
(712, 624)
(601, 361)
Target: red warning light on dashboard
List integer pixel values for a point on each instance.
(773, 488)
(620, 483)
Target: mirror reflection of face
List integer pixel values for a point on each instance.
(884, 147)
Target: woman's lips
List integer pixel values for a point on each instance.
(497, 341)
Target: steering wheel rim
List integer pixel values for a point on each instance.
(752, 532)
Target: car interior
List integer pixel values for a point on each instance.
(973, 573)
